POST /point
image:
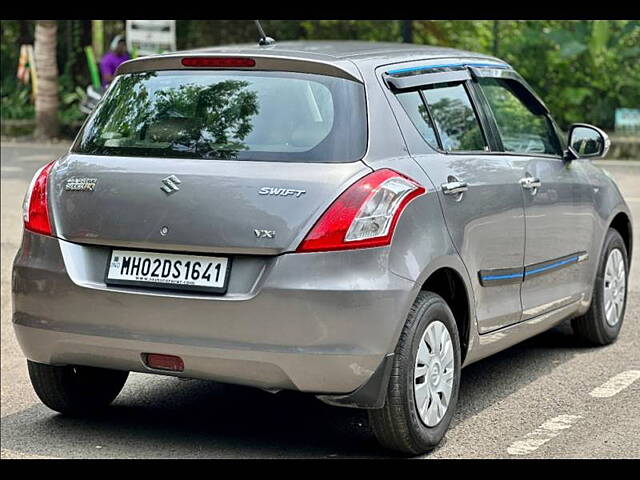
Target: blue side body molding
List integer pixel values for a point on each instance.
(573, 259)
(515, 275)
(500, 277)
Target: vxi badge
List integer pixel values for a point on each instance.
(260, 233)
(282, 192)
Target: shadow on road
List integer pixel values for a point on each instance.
(164, 417)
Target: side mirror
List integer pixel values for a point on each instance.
(586, 141)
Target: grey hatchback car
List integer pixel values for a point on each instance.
(354, 220)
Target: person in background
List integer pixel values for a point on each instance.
(114, 57)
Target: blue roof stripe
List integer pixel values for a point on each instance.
(428, 67)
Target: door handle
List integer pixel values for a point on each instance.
(530, 183)
(454, 188)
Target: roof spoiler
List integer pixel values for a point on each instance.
(263, 61)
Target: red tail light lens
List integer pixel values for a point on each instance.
(35, 210)
(364, 215)
(219, 62)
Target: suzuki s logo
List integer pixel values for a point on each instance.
(170, 184)
(281, 192)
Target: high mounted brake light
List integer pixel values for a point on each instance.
(365, 215)
(218, 62)
(35, 211)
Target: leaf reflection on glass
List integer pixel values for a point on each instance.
(458, 125)
(209, 120)
(215, 118)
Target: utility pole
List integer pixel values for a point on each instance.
(407, 31)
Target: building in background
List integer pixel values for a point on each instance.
(627, 120)
(150, 37)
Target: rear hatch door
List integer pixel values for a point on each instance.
(193, 205)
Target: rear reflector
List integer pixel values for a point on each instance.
(220, 62)
(164, 362)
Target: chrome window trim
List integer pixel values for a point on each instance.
(455, 65)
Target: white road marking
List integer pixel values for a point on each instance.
(541, 435)
(616, 384)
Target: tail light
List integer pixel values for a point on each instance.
(365, 215)
(35, 211)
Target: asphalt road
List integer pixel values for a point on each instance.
(548, 397)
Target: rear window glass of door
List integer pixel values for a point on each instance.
(417, 111)
(455, 118)
(523, 129)
(229, 115)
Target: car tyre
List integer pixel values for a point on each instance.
(75, 391)
(603, 321)
(399, 425)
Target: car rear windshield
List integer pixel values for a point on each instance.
(229, 115)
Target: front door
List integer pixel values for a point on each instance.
(559, 223)
(558, 199)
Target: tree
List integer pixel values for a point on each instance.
(47, 122)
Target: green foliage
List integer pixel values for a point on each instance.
(9, 53)
(17, 104)
(70, 114)
(473, 35)
(583, 69)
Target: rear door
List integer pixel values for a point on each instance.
(558, 197)
(479, 191)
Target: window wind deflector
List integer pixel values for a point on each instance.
(404, 78)
(410, 81)
(519, 85)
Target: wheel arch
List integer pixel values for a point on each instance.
(450, 285)
(621, 223)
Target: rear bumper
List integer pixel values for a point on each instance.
(320, 322)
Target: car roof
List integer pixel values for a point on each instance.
(328, 50)
(347, 59)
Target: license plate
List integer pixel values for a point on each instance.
(168, 270)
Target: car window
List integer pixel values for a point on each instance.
(229, 115)
(522, 127)
(457, 123)
(417, 111)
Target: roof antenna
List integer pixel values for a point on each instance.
(264, 40)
